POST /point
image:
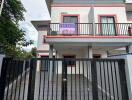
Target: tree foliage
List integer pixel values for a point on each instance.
(34, 52)
(10, 34)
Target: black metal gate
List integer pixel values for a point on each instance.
(66, 79)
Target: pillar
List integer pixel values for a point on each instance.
(90, 55)
(90, 52)
(38, 63)
(104, 54)
(51, 62)
(51, 51)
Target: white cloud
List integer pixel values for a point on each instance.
(36, 10)
(28, 48)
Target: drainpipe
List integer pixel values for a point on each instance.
(93, 20)
(1, 7)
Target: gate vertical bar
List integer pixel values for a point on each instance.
(64, 80)
(3, 77)
(124, 89)
(94, 80)
(31, 85)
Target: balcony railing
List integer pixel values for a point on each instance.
(90, 29)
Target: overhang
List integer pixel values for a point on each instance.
(91, 40)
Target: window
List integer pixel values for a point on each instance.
(129, 15)
(71, 19)
(96, 56)
(45, 64)
(71, 61)
(107, 25)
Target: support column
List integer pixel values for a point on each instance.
(51, 51)
(90, 52)
(104, 54)
(51, 62)
(38, 63)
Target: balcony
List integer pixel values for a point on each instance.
(90, 29)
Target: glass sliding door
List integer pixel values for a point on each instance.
(71, 19)
(107, 25)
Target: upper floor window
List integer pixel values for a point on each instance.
(129, 15)
(107, 25)
(71, 19)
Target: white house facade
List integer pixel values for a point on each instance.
(86, 29)
(102, 29)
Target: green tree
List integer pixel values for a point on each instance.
(34, 52)
(10, 34)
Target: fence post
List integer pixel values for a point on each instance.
(3, 77)
(123, 81)
(32, 74)
(94, 80)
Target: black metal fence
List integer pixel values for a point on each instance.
(65, 79)
(96, 29)
(13, 79)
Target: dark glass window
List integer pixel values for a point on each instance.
(70, 60)
(71, 19)
(107, 25)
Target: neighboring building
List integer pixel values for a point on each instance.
(102, 28)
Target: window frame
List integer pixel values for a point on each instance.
(78, 17)
(107, 15)
(71, 63)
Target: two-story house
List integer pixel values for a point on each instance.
(85, 29)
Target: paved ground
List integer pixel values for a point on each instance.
(78, 88)
(51, 90)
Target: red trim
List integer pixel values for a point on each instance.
(89, 36)
(42, 50)
(129, 19)
(44, 36)
(43, 55)
(112, 15)
(87, 5)
(78, 16)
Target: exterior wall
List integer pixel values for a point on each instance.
(118, 12)
(57, 11)
(42, 48)
(85, 11)
(41, 45)
(86, 16)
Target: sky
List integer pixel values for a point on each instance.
(35, 10)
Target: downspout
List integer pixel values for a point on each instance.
(93, 19)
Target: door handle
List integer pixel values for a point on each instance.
(64, 79)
